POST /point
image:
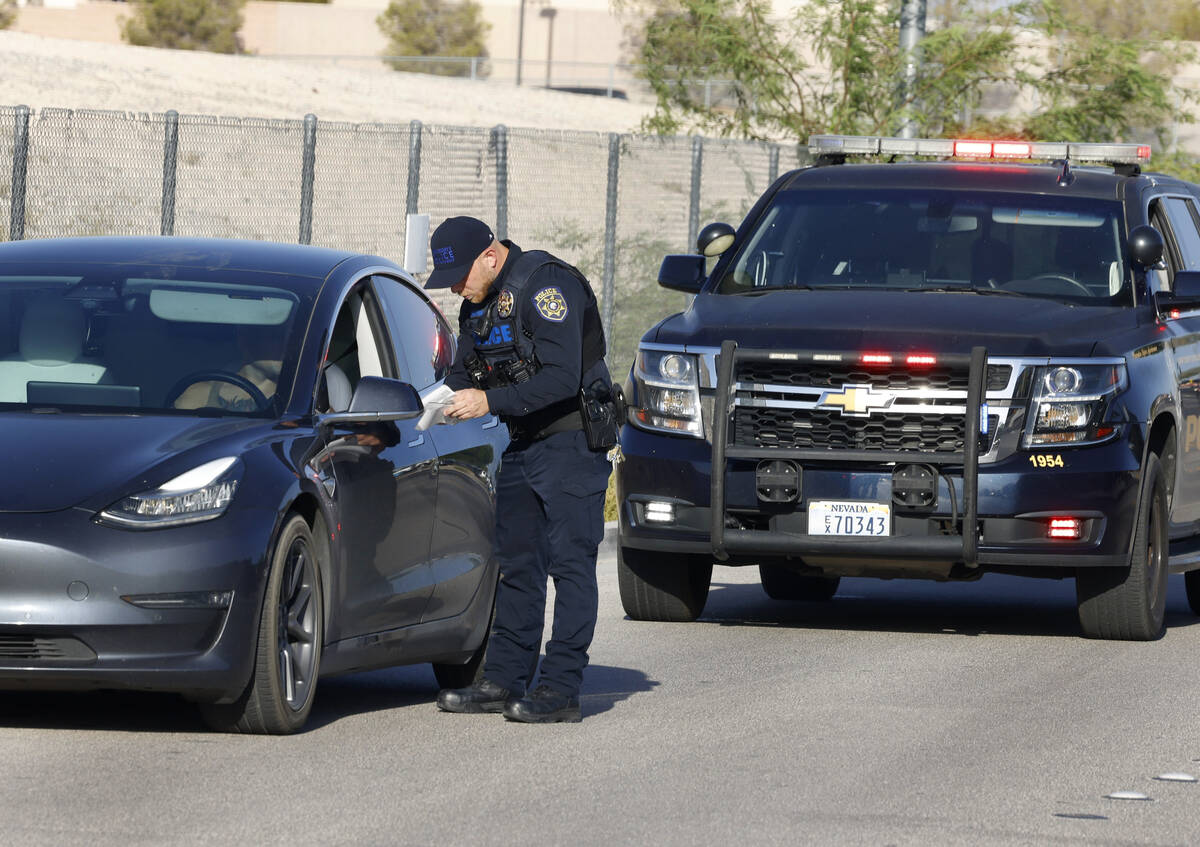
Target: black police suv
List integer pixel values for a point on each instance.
(983, 359)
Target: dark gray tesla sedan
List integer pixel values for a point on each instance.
(218, 481)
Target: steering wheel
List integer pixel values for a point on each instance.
(237, 380)
(1087, 292)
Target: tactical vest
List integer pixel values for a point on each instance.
(504, 346)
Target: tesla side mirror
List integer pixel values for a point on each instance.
(379, 399)
(682, 273)
(1146, 246)
(714, 239)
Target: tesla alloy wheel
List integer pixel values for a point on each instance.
(287, 659)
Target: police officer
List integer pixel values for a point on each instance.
(531, 350)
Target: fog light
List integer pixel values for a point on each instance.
(659, 512)
(182, 600)
(1069, 528)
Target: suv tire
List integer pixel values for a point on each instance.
(662, 586)
(783, 583)
(1129, 604)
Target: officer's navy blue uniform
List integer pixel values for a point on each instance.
(550, 491)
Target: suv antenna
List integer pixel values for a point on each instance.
(1066, 176)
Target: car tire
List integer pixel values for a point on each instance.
(1129, 603)
(287, 658)
(782, 583)
(657, 586)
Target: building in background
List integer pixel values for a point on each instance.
(569, 43)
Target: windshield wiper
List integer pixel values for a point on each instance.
(754, 292)
(964, 290)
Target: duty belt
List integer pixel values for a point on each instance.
(568, 422)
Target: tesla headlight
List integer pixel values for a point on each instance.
(201, 494)
(668, 393)
(1069, 403)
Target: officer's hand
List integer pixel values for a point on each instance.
(468, 403)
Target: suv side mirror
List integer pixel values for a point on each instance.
(1183, 297)
(379, 399)
(682, 273)
(1146, 246)
(714, 239)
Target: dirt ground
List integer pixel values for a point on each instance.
(50, 72)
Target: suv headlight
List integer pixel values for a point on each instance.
(1069, 403)
(668, 391)
(201, 494)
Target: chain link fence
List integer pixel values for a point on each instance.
(612, 204)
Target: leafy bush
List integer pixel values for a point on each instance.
(435, 28)
(210, 25)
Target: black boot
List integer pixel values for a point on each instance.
(544, 705)
(483, 696)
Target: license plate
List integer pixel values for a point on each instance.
(849, 517)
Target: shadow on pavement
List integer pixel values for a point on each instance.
(109, 711)
(604, 686)
(995, 605)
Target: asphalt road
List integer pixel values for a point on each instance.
(899, 713)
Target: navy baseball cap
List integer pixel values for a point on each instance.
(456, 244)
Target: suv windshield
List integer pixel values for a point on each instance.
(163, 340)
(1061, 248)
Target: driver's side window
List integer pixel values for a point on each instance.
(1162, 280)
(357, 348)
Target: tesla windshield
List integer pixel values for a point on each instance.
(206, 343)
(1062, 248)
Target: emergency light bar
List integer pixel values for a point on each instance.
(972, 148)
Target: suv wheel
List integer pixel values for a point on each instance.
(662, 586)
(783, 583)
(1129, 604)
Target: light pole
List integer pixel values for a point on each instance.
(548, 13)
(520, 38)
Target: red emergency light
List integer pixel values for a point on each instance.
(1068, 528)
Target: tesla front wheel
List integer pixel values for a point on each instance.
(287, 658)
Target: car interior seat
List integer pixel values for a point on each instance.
(50, 349)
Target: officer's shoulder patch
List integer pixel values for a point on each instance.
(505, 305)
(551, 304)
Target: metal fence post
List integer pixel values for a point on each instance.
(610, 235)
(16, 220)
(500, 142)
(414, 168)
(694, 209)
(170, 159)
(306, 177)
(773, 165)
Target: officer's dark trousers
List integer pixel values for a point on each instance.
(549, 522)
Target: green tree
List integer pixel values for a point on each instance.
(833, 66)
(210, 25)
(1143, 19)
(435, 28)
(8, 13)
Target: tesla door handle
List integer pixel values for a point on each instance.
(495, 423)
(418, 441)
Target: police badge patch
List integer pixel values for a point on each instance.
(551, 304)
(505, 304)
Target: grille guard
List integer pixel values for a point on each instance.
(963, 547)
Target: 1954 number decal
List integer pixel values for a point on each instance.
(1047, 460)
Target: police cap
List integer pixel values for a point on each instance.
(455, 245)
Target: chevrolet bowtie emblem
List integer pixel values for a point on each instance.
(856, 400)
